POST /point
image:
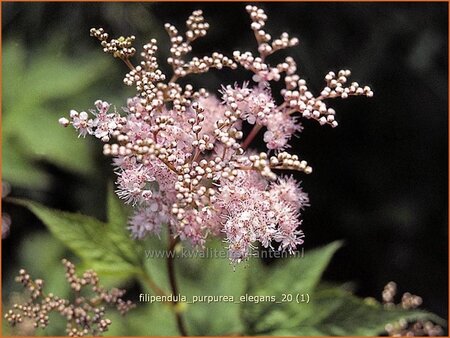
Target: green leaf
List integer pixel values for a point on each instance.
(41, 138)
(210, 274)
(13, 62)
(145, 320)
(18, 169)
(339, 313)
(331, 310)
(154, 265)
(118, 233)
(93, 241)
(200, 274)
(292, 276)
(36, 87)
(50, 266)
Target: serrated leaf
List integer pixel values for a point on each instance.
(331, 311)
(210, 274)
(87, 237)
(299, 273)
(296, 275)
(339, 313)
(200, 274)
(118, 233)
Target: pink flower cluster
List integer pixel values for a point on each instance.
(181, 156)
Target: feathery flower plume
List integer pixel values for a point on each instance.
(180, 153)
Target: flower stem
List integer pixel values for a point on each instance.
(128, 63)
(251, 136)
(173, 283)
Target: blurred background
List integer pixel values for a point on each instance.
(380, 179)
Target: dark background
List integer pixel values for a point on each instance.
(379, 179)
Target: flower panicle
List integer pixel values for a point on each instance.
(403, 327)
(183, 156)
(85, 314)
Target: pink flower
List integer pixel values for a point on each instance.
(260, 106)
(82, 123)
(280, 128)
(149, 218)
(255, 214)
(288, 190)
(192, 229)
(182, 156)
(134, 185)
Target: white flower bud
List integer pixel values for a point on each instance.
(64, 122)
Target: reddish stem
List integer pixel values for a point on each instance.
(251, 136)
(173, 283)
